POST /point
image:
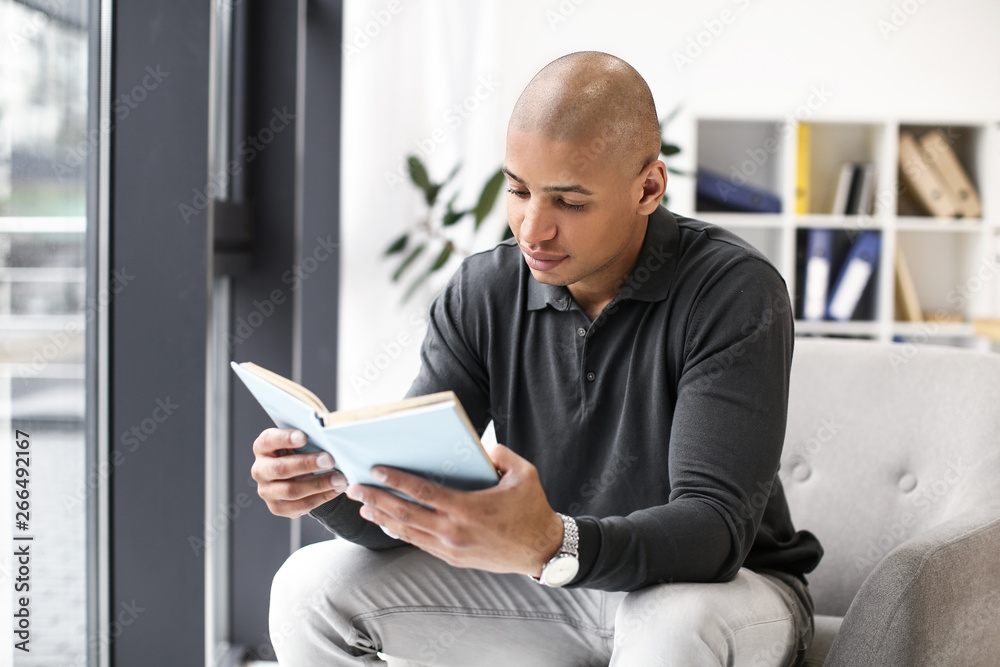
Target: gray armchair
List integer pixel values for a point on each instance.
(892, 458)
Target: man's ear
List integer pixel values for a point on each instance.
(654, 184)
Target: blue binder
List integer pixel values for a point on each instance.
(819, 250)
(855, 274)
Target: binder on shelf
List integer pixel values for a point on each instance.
(843, 191)
(855, 184)
(907, 302)
(819, 251)
(855, 274)
(862, 186)
(937, 152)
(922, 180)
(802, 193)
(719, 190)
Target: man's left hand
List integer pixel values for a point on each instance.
(508, 528)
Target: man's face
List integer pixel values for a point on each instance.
(573, 213)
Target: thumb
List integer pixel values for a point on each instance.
(504, 459)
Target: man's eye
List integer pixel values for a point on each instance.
(517, 193)
(571, 207)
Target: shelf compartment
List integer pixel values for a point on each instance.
(745, 152)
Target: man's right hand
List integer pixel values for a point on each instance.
(284, 478)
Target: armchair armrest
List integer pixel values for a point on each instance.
(933, 600)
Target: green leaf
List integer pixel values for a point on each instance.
(508, 233)
(398, 245)
(676, 172)
(406, 262)
(669, 149)
(443, 257)
(418, 173)
(431, 193)
(488, 197)
(451, 216)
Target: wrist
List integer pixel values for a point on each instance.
(563, 566)
(550, 544)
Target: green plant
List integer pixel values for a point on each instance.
(433, 231)
(668, 150)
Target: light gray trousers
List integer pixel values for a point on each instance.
(335, 603)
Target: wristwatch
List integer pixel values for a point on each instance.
(562, 568)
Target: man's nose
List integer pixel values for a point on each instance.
(536, 227)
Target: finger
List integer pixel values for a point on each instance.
(416, 487)
(296, 508)
(390, 507)
(401, 530)
(271, 468)
(271, 441)
(298, 489)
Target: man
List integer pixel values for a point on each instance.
(635, 364)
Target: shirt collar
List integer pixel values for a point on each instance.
(650, 280)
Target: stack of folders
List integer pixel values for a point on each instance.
(934, 178)
(832, 291)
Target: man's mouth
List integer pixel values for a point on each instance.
(542, 261)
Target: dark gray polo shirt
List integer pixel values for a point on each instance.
(659, 425)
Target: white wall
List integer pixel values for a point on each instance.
(926, 60)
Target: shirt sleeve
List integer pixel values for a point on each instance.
(447, 362)
(724, 446)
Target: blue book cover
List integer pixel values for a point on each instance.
(430, 436)
(855, 274)
(719, 190)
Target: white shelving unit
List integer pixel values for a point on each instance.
(953, 262)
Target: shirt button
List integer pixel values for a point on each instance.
(591, 376)
(581, 332)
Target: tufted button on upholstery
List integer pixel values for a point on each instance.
(907, 482)
(801, 472)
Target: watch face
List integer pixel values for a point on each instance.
(561, 571)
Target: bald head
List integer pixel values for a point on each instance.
(597, 101)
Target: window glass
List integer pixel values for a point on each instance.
(43, 314)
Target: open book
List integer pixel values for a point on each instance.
(430, 436)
